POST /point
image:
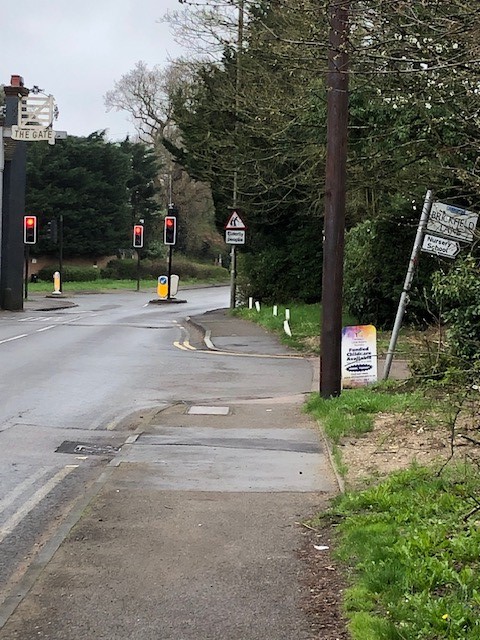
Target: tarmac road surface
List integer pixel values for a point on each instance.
(190, 526)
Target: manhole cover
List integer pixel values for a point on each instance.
(199, 410)
(87, 448)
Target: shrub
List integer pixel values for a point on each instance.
(377, 253)
(70, 274)
(460, 295)
(184, 268)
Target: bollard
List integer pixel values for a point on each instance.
(56, 283)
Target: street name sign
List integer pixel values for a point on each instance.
(443, 247)
(235, 236)
(452, 222)
(30, 134)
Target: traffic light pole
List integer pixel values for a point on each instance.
(60, 249)
(138, 270)
(27, 260)
(170, 254)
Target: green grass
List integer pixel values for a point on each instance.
(305, 324)
(413, 552)
(353, 412)
(109, 285)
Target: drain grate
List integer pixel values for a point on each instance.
(87, 448)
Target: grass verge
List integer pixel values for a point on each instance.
(106, 284)
(353, 412)
(305, 324)
(412, 542)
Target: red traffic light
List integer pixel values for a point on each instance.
(138, 236)
(170, 230)
(30, 229)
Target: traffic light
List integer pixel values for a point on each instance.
(170, 230)
(138, 236)
(29, 229)
(51, 231)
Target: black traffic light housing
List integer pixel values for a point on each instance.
(30, 229)
(138, 236)
(51, 231)
(170, 230)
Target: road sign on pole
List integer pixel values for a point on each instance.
(235, 222)
(443, 247)
(235, 236)
(452, 222)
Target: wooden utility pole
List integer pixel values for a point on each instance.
(238, 79)
(335, 196)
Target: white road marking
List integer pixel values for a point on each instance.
(23, 335)
(52, 326)
(36, 498)
(20, 488)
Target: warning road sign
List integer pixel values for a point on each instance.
(235, 222)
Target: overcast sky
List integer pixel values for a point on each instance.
(76, 50)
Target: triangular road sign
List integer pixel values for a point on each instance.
(235, 222)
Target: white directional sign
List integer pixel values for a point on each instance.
(235, 236)
(235, 222)
(440, 246)
(452, 222)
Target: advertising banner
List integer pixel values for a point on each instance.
(359, 356)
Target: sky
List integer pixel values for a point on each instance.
(75, 50)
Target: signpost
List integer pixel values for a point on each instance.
(450, 226)
(28, 118)
(440, 246)
(234, 234)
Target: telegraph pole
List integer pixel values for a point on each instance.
(233, 251)
(335, 197)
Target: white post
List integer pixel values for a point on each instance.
(257, 306)
(275, 310)
(417, 245)
(287, 314)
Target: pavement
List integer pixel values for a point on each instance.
(193, 530)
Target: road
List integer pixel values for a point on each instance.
(74, 380)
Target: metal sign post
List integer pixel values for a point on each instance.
(417, 245)
(234, 234)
